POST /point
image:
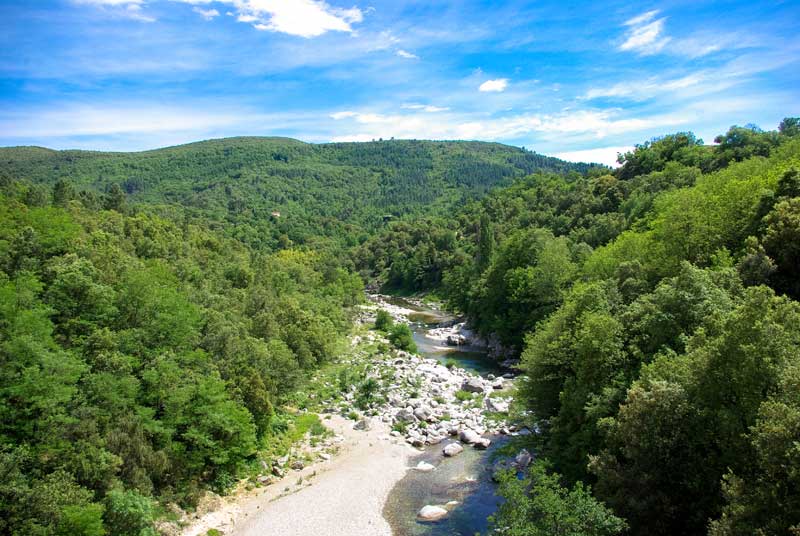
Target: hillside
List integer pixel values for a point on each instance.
(336, 190)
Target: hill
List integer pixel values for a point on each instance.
(334, 190)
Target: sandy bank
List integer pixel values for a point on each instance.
(340, 497)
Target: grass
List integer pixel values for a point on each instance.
(463, 396)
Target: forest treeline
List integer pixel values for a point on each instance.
(273, 193)
(141, 358)
(158, 309)
(654, 309)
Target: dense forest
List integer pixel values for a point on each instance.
(654, 309)
(272, 193)
(157, 309)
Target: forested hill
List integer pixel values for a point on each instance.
(335, 190)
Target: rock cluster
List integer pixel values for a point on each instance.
(420, 401)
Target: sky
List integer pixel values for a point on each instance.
(581, 80)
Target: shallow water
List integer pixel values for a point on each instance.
(472, 358)
(466, 478)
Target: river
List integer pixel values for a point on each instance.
(465, 478)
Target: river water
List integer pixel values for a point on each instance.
(465, 478)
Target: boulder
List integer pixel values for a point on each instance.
(452, 449)
(496, 405)
(472, 385)
(424, 467)
(363, 425)
(523, 459)
(423, 413)
(482, 443)
(431, 513)
(469, 437)
(404, 415)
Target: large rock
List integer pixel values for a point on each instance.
(453, 449)
(404, 415)
(362, 425)
(472, 385)
(523, 460)
(482, 443)
(424, 467)
(496, 405)
(469, 437)
(431, 513)
(423, 413)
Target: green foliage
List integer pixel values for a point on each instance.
(383, 320)
(129, 514)
(538, 505)
(402, 338)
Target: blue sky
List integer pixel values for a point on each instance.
(577, 79)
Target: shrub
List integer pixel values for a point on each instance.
(402, 338)
(383, 320)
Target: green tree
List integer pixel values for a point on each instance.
(538, 505)
(383, 320)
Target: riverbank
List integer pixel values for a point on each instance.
(382, 406)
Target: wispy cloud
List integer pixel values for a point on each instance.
(424, 107)
(595, 124)
(303, 18)
(130, 9)
(207, 14)
(408, 55)
(497, 85)
(645, 34)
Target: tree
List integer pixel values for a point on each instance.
(115, 198)
(63, 193)
(402, 337)
(538, 505)
(383, 320)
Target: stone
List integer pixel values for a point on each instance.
(472, 385)
(431, 513)
(404, 415)
(496, 405)
(363, 425)
(523, 459)
(298, 465)
(324, 456)
(469, 436)
(422, 413)
(482, 443)
(452, 449)
(424, 467)
(264, 480)
(277, 471)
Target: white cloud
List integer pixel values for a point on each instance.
(424, 107)
(645, 34)
(109, 2)
(589, 124)
(130, 9)
(303, 18)
(114, 119)
(408, 55)
(601, 155)
(207, 14)
(498, 84)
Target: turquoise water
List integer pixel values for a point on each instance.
(470, 358)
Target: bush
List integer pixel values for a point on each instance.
(383, 321)
(538, 505)
(402, 338)
(129, 514)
